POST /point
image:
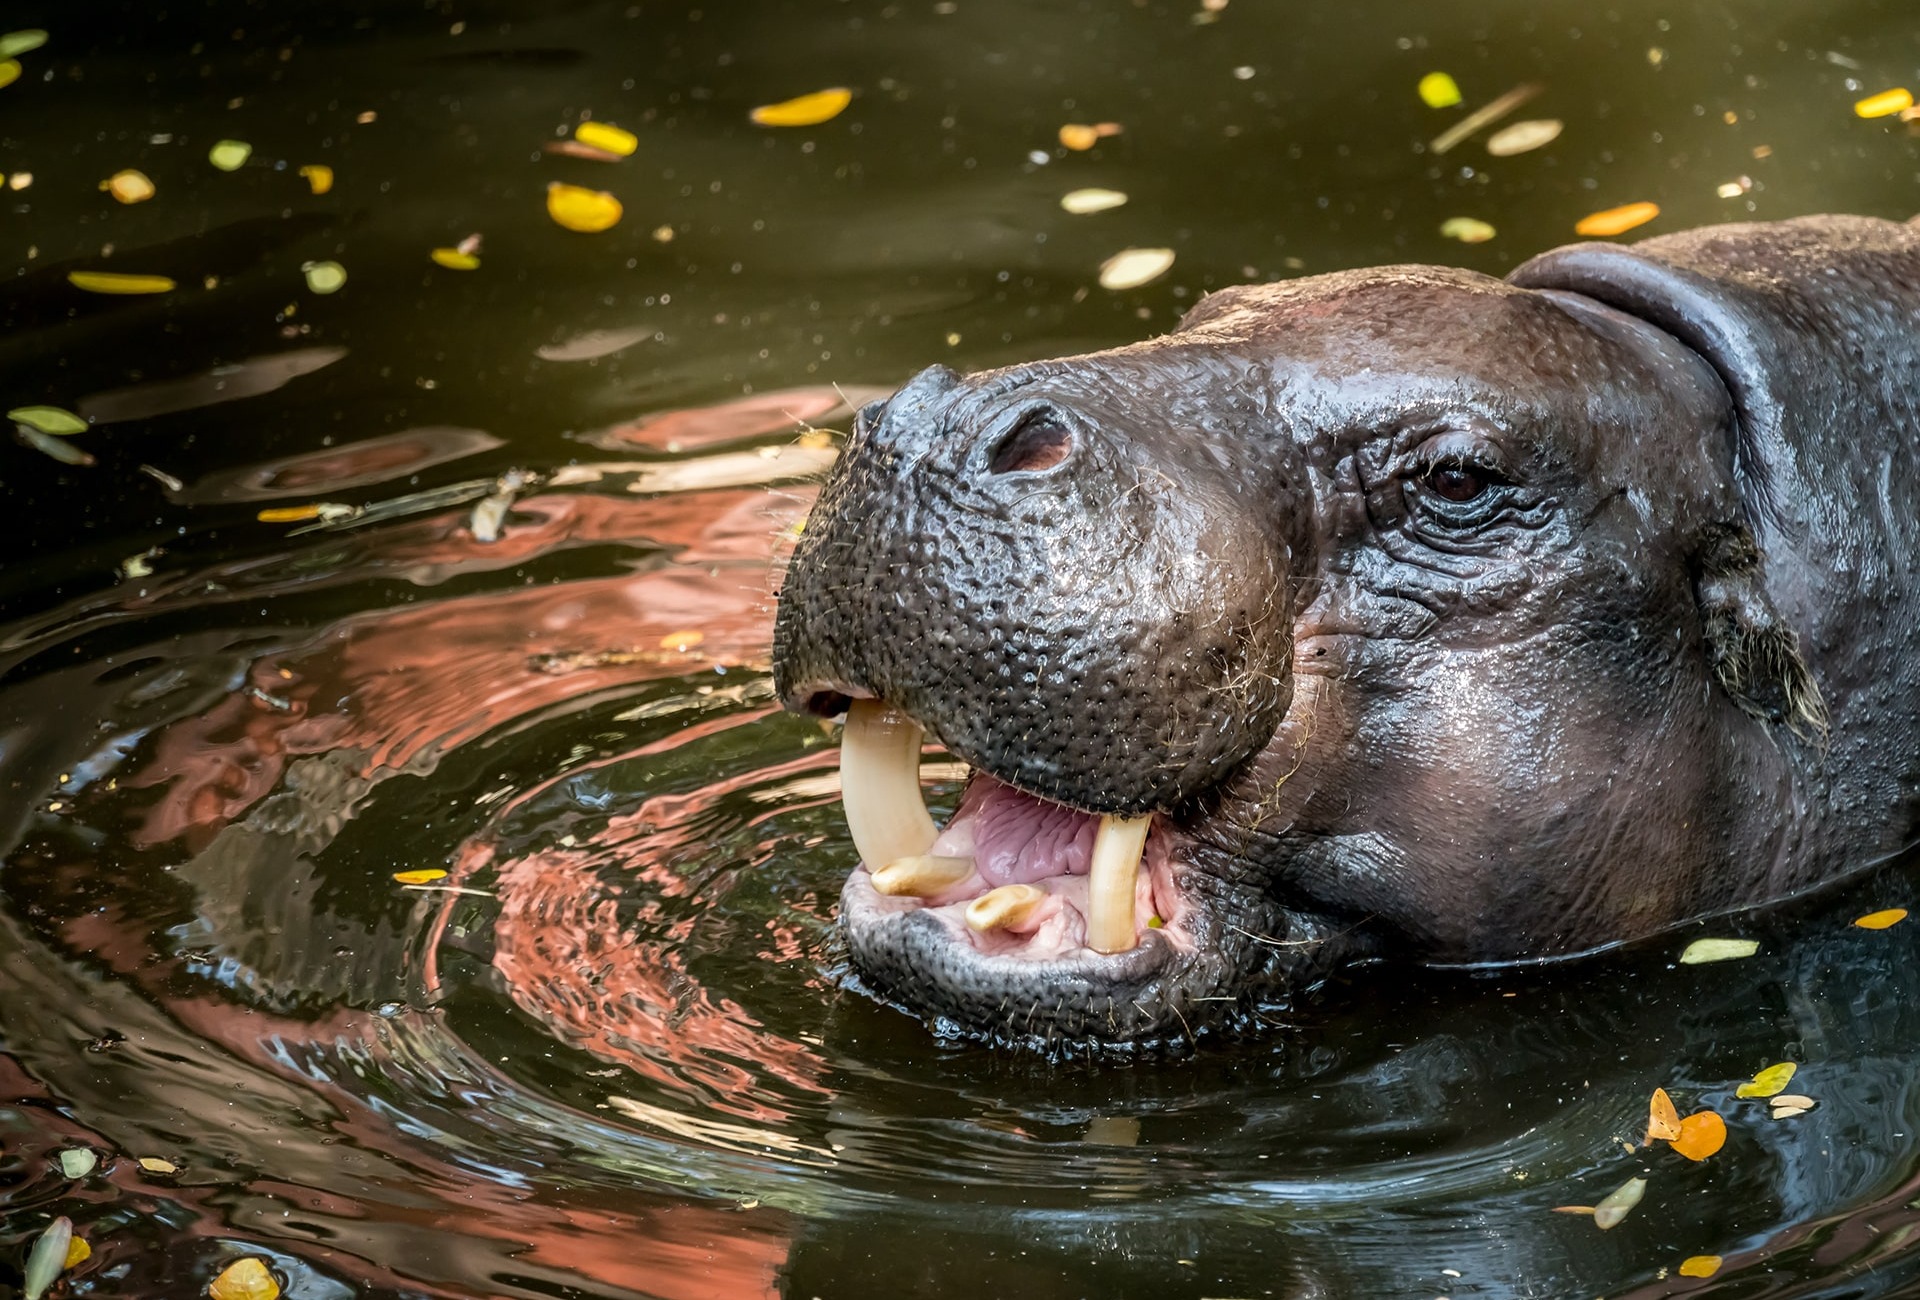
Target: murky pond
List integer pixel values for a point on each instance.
(405, 875)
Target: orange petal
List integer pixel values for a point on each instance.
(1882, 919)
(1701, 1135)
(1663, 1119)
(1699, 1266)
(1617, 221)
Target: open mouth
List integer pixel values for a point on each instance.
(1013, 878)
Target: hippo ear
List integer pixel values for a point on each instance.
(1755, 656)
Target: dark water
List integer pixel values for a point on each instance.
(610, 1052)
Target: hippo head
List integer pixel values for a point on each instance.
(1404, 610)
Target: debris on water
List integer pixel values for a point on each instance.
(1734, 188)
(128, 186)
(607, 138)
(1483, 117)
(575, 149)
(141, 565)
(1701, 1134)
(1132, 267)
(47, 1258)
(319, 177)
(244, 1279)
(1887, 916)
(1699, 1266)
(1884, 104)
(25, 41)
(1522, 137)
(77, 1162)
(1768, 1082)
(78, 1251)
(1789, 1104)
(423, 876)
(594, 344)
(490, 512)
(1619, 1203)
(1438, 90)
(1080, 137)
(230, 155)
(58, 448)
(1616, 221)
(454, 260)
(578, 208)
(9, 71)
(804, 110)
(1663, 1119)
(48, 419)
(681, 642)
(20, 181)
(115, 282)
(158, 1165)
(1082, 202)
(1702, 951)
(324, 277)
(1468, 230)
(164, 479)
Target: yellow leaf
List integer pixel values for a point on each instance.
(582, 209)
(1699, 1266)
(319, 176)
(1617, 1204)
(288, 514)
(48, 419)
(9, 71)
(230, 155)
(1884, 104)
(1617, 221)
(1522, 137)
(1438, 90)
(155, 1165)
(682, 641)
(1702, 951)
(454, 260)
(424, 876)
(1701, 1135)
(114, 282)
(599, 135)
(1774, 1079)
(804, 110)
(1079, 137)
(1468, 230)
(128, 186)
(1882, 919)
(1132, 267)
(1082, 202)
(244, 1279)
(78, 1252)
(324, 277)
(1663, 1120)
(1573, 1209)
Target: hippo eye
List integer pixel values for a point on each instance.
(1456, 482)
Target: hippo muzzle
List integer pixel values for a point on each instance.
(1390, 611)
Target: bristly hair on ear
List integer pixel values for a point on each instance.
(1755, 656)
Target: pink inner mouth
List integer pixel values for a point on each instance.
(1017, 839)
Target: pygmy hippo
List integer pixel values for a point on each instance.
(1400, 610)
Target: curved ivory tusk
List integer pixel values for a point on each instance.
(1110, 882)
(880, 784)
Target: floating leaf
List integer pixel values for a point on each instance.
(156, 1165)
(77, 1162)
(1619, 1203)
(1484, 116)
(1773, 1079)
(1699, 1266)
(1468, 230)
(1792, 1099)
(128, 186)
(1788, 1112)
(48, 419)
(114, 282)
(1884, 104)
(1523, 136)
(1702, 951)
(324, 277)
(1082, 202)
(9, 71)
(574, 149)
(319, 177)
(1617, 221)
(48, 1257)
(1701, 1134)
(230, 155)
(1882, 919)
(78, 1252)
(1079, 137)
(58, 448)
(582, 209)
(1573, 1209)
(804, 110)
(600, 135)
(1133, 267)
(455, 260)
(424, 876)
(288, 514)
(244, 1279)
(14, 44)
(682, 641)
(1663, 1120)
(1438, 90)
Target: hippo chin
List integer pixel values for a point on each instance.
(1393, 611)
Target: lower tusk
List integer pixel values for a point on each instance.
(880, 784)
(921, 877)
(1008, 905)
(1110, 882)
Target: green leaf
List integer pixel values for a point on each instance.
(48, 419)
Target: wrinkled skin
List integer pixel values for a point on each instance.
(1432, 614)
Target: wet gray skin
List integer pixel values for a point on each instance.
(1468, 619)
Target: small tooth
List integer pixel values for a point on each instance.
(1008, 905)
(880, 784)
(921, 877)
(1110, 882)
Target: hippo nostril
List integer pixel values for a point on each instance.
(1038, 442)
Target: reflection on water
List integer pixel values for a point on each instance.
(613, 1050)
